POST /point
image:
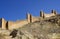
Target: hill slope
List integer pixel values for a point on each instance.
(49, 28)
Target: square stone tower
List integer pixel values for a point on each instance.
(2, 23)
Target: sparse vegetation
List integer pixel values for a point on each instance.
(44, 29)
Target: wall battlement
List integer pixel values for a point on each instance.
(14, 25)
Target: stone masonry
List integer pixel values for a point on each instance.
(14, 25)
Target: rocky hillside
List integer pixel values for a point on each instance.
(49, 28)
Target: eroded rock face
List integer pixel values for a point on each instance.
(4, 34)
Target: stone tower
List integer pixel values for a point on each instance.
(42, 14)
(2, 23)
(29, 17)
(54, 12)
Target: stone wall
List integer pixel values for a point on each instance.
(35, 19)
(49, 15)
(29, 19)
(43, 15)
(16, 24)
(13, 25)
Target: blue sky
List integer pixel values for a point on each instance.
(17, 9)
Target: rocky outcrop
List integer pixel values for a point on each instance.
(49, 28)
